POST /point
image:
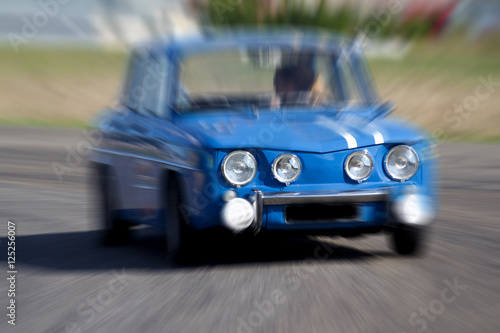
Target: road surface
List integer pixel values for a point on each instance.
(67, 283)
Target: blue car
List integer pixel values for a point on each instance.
(260, 132)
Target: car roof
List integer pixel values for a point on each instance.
(209, 40)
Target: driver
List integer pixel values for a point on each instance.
(292, 83)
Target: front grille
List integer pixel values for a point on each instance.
(321, 213)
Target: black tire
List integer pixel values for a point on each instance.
(179, 240)
(116, 231)
(409, 241)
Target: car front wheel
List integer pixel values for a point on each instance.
(179, 240)
(407, 240)
(116, 231)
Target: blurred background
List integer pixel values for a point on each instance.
(61, 61)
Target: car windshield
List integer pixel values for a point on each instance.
(261, 77)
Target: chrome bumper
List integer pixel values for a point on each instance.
(260, 199)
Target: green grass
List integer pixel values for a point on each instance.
(59, 61)
(451, 58)
(37, 84)
(49, 122)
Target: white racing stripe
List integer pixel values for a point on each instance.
(379, 138)
(377, 135)
(351, 141)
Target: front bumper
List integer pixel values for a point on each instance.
(300, 198)
(261, 199)
(379, 207)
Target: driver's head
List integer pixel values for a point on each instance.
(293, 79)
(284, 80)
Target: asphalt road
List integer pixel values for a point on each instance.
(67, 283)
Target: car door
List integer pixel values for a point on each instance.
(136, 162)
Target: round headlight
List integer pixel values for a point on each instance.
(401, 163)
(239, 167)
(286, 168)
(359, 166)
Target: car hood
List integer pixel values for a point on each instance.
(319, 132)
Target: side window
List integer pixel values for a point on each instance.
(164, 101)
(152, 81)
(146, 83)
(130, 95)
(366, 78)
(351, 87)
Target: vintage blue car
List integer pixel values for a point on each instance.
(256, 132)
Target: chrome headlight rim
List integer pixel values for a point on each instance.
(223, 168)
(386, 159)
(349, 158)
(275, 173)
